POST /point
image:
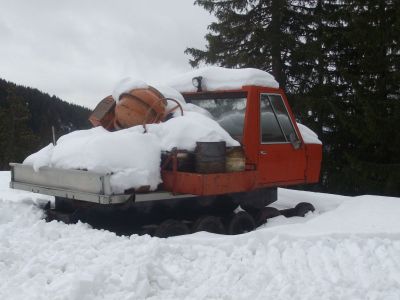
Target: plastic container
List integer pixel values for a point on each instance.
(235, 159)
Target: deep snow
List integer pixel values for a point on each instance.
(348, 249)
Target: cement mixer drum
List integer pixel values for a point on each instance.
(139, 106)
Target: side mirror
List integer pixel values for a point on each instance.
(296, 143)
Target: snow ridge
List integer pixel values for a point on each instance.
(356, 257)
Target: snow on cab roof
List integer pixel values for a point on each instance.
(218, 78)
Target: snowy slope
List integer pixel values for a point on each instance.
(348, 249)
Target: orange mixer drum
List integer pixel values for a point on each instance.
(139, 106)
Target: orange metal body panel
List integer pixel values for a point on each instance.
(208, 184)
(314, 158)
(276, 163)
(272, 165)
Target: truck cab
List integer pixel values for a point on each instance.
(260, 119)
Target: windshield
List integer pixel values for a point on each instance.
(228, 112)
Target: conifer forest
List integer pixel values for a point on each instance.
(339, 62)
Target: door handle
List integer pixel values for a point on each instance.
(263, 152)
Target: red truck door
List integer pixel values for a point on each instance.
(281, 152)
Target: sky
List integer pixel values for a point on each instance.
(79, 50)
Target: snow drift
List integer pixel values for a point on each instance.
(347, 249)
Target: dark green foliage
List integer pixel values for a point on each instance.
(248, 34)
(16, 138)
(339, 62)
(26, 118)
(372, 72)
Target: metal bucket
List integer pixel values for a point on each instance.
(235, 159)
(210, 157)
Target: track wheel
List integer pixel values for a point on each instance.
(209, 224)
(241, 222)
(266, 213)
(171, 228)
(64, 204)
(303, 208)
(150, 230)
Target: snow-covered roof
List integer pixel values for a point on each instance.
(218, 78)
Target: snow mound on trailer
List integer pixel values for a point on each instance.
(130, 154)
(183, 132)
(218, 78)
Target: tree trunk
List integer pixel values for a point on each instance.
(276, 36)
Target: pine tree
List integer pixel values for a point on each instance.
(339, 62)
(16, 137)
(297, 38)
(246, 34)
(320, 91)
(371, 66)
(33, 112)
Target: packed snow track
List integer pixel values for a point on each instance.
(349, 248)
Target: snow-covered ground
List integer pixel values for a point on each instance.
(348, 249)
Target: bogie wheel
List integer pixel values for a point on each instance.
(241, 222)
(64, 204)
(150, 230)
(209, 224)
(303, 208)
(171, 228)
(248, 208)
(266, 213)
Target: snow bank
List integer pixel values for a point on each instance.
(218, 78)
(354, 255)
(131, 155)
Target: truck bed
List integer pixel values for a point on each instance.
(96, 187)
(72, 184)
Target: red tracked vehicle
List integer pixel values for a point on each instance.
(197, 193)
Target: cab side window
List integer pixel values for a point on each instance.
(276, 126)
